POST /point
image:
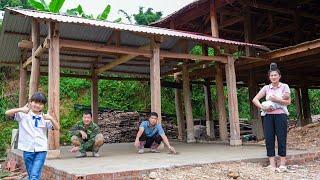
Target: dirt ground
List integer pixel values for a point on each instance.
(240, 171)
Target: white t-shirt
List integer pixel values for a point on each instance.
(32, 138)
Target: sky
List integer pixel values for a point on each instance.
(95, 7)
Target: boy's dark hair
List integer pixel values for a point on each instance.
(153, 114)
(38, 97)
(87, 113)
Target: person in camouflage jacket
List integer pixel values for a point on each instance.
(86, 136)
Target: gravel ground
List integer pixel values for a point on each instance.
(240, 171)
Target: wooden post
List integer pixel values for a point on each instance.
(53, 88)
(179, 111)
(298, 106)
(208, 107)
(223, 130)
(248, 31)
(187, 104)
(233, 102)
(214, 20)
(208, 101)
(22, 86)
(35, 68)
(94, 95)
(221, 101)
(305, 106)
(254, 111)
(155, 80)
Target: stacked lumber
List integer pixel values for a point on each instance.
(120, 126)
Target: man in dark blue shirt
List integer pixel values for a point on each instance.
(151, 134)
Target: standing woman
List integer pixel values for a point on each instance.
(275, 120)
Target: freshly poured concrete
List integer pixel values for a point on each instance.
(123, 157)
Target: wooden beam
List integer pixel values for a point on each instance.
(40, 50)
(165, 54)
(233, 103)
(119, 61)
(187, 104)
(277, 30)
(53, 86)
(155, 83)
(299, 48)
(231, 22)
(102, 48)
(281, 10)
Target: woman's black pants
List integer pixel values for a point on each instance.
(275, 125)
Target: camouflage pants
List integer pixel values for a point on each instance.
(98, 142)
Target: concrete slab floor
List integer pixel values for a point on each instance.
(123, 157)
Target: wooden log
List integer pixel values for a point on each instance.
(155, 83)
(187, 104)
(54, 82)
(35, 69)
(179, 111)
(233, 102)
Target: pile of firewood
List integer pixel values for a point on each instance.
(120, 126)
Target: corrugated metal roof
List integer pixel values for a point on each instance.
(17, 27)
(128, 27)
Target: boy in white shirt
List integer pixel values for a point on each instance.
(33, 126)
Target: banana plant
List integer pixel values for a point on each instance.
(54, 5)
(105, 13)
(78, 11)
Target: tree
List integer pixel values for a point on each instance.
(13, 3)
(147, 17)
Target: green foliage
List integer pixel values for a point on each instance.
(40, 6)
(54, 5)
(13, 3)
(105, 13)
(128, 17)
(8, 99)
(147, 17)
(314, 96)
(78, 11)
